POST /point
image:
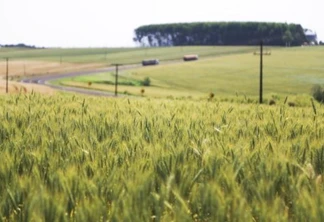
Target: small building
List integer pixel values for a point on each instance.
(310, 36)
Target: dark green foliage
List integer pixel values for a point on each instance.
(20, 45)
(220, 33)
(146, 81)
(318, 93)
(123, 82)
(287, 37)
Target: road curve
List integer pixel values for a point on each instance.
(45, 80)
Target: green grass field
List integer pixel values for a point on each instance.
(287, 72)
(79, 158)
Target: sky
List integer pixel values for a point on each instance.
(111, 23)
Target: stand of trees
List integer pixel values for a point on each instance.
(20, 45)
(220, 33)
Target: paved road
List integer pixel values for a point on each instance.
(45, 80)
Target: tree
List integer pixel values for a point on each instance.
(220, 33)
(287, 37)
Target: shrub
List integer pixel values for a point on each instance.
(211, 96)
(146, 81)
(291, 104)
(272, 102)
(318, 93)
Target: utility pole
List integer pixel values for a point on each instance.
(261, 72)
(7, 75)
(116, 79)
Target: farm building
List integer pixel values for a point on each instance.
(310, 36)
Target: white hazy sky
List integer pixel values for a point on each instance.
(111, 23)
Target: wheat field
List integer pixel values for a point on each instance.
(79, 158)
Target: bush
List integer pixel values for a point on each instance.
(146, 81)
(272, 102)
(291, 104)
(318, 93)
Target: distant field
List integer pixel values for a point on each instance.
(20, 68)
(17, 88)
(110, 56)
(288, 71)
(24, 62)
(224, 71)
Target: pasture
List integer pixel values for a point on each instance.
(80, 158)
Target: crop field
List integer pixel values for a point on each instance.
(17, 88)
(287, 72)
(116, 55)
(79, 158)
(192, 146)
(24, 68)
(24, 62)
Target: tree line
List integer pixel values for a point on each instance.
(220, 33)
(20, 45)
